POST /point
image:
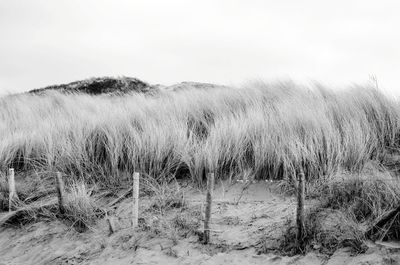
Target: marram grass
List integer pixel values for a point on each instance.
(270, 130)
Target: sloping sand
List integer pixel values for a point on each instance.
(238, 227)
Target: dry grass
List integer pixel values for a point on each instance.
(326, 231)
(164, 195)
(168, 215)
(174, 224)
(36, 201)
(366, 196)
(348, 204)
(270, 130)
(80, 207)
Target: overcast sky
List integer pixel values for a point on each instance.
(340, 42)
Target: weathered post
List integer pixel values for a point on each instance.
(300, 207)
(111, 225)
(210, 188)
(13, 196)
(60, 192)
(135, 210)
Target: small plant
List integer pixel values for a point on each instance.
(80, 208)
(348, 204)
(365, 196)
(326, 231)
(187, 222)
(164, 195)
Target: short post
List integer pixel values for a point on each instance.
(300, 207)
(111, 225)
(60, 192)
(13, 196)
(210, 188)
(135, 210)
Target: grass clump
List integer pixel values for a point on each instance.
(164, 194)
(175, 224)
(80, 207)
(29, 187)
(168, 214)
(348, 205)
(188, 222)
(367, 196)
(326, 231)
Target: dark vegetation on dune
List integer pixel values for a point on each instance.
(101, 85)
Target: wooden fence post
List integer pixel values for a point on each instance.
(135, 210)
(60, 192)
(13, 196)
(210, 188)
(300, 208)
(111, 225)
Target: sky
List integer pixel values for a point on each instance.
(337, 43)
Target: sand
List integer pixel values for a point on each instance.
(239, 225)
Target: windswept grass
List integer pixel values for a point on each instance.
(346, 142)
(269, 130)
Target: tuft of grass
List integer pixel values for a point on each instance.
(348, 205)
(366, 196)
(37, 199)
(80, 207)
(174, 224)
(165, 195)
(188, 222)
(326, 231)
(168, 214)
